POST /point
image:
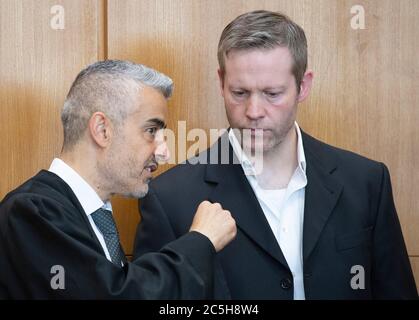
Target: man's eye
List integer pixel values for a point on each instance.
(239, 93)
(272, 94)
(152, 131)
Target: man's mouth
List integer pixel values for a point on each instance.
(256, 131)
(151, 167)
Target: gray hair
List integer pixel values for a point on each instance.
(262, 29)
(108, 86)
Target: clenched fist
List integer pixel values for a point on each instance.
(215, 223)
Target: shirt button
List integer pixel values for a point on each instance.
(286, 283)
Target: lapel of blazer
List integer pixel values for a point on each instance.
(321, 194)
(235, 194)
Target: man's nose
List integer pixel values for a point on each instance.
(254, 108)
(161, 153)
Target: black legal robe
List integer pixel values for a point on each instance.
(43, 225)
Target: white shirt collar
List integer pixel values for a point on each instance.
(284, 210)
(248, 166)
(87, 196)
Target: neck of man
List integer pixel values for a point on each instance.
(279, 163)
(83, 160)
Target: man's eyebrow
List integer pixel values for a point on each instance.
(157, 122)
(280, 88)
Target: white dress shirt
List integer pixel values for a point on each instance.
(86, 195)
(283, 208)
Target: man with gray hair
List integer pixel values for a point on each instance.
(58, 238)
(316, 222)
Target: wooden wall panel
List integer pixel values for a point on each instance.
(364, 97)
(415, 267)
(38, 64)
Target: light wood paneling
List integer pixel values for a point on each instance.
(38, 65)
(415, 266)
(365, 95)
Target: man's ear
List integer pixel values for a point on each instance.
(100, 129)
(305, 85)
(221, 80)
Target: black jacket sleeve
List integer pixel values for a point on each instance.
(32, 243)
(156, 230)
(392, 275)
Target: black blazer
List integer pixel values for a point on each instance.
(42, 224)
(349, 220)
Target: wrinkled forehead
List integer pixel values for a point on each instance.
(259, 64)
(150, 105)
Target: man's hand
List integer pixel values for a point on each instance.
(215, 223)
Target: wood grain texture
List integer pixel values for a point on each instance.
(414, 261)
(365, 95)
(38, 64)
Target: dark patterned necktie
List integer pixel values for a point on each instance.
(106, 224)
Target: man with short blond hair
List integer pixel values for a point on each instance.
(313, 214)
